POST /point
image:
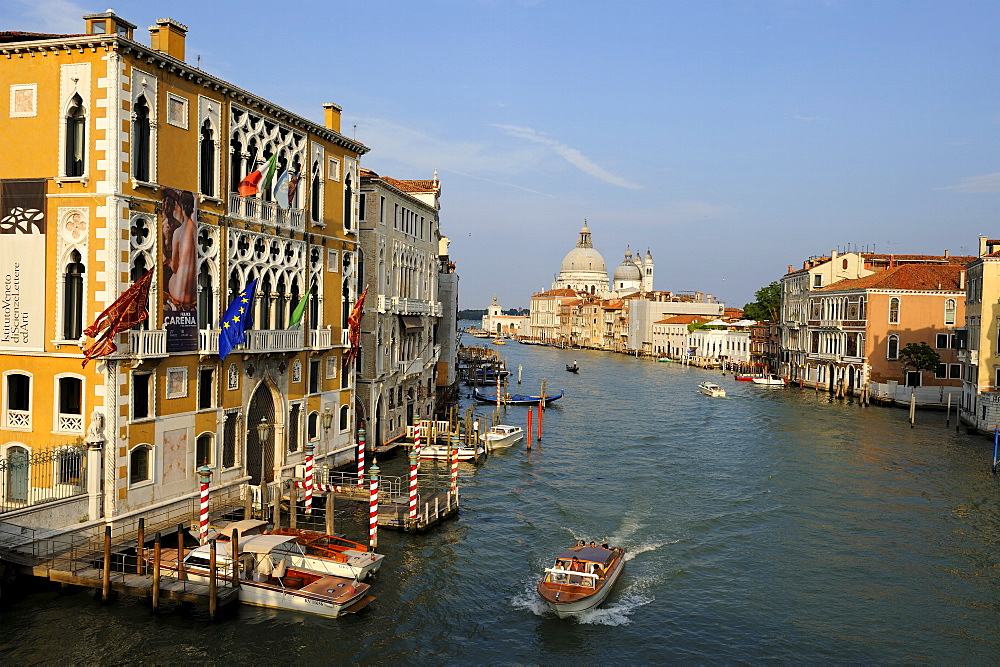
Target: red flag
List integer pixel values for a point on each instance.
(128, 310)
(248, 186)
(354, 329)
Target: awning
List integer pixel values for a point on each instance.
(411, 323)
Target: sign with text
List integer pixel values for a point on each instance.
(22, 264)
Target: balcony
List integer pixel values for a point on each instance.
(401, 306)
(320, 339)
(253, 209)
(968, 356)
(208, 341)
(70, 423)
(147, 344)
(273, 340)
(411, 367)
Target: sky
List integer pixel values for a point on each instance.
(729, 138)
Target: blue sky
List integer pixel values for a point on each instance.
(731, 139)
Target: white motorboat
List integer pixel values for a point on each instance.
(443, 452)
(581, 578)
(503, 435)
(770, 381)
(311, 550)
(267, 579)
(711, 389)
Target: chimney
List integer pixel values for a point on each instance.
(167, 36)
(946, 254)
(961, 279)
(982, 246)
(790, 268)
(331, 116)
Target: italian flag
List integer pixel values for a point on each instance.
(260, 179)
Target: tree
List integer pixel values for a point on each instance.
(919, 356)
(767, 304)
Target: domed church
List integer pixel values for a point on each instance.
(583, 270)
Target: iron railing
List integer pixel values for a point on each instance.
(31, 478)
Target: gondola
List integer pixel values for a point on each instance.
(515, 399)
(572, 368)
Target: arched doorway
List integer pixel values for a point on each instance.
(17, 474)
(377, 420)
(260, 455)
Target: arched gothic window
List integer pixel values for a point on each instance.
(949, 311)
(141, 140)
(73, 298)
(892, 353)
(207, 149)
(76, 137)
(894, 310)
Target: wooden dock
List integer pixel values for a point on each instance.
(432, 509)
(141, 585)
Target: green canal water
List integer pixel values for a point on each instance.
(772, 525)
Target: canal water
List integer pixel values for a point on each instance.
(770, 525)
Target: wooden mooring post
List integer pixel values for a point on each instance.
(213, 585)
(181, 575)
(106, 572)
(947, 412)
(234, 541)
(293, 497)
(140, 546)
(156, 573)
(913, 405)
(329, 513)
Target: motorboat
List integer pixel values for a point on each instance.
(514, 399)
(268, 580)
(311, 550)
(666, 360)
(770, 381)
(746, 377)
(499, 341)
(581, 578)
(503, 435)
(443, 452)
(711, 389)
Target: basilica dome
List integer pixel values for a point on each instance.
(627, 271)
(583, 269)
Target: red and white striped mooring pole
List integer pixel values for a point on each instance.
(454, 464)
(413, 486)
(361, 456)
(373, 508)
(204, 476)
(310, 447)
(416, 441)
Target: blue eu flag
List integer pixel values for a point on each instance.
(236, 321)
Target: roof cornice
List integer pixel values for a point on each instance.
(172, 65)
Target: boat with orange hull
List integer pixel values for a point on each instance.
(581, 578)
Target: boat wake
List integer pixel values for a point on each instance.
(615, 613)
(632, 552)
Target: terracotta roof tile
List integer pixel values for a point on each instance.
(916, 277)
(684, 319)
(413, 186)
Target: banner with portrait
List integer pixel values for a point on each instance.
(22, 264)
(180, 269)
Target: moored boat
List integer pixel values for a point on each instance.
(443, 452)
(515, 399)
(503, 435)
(770, 381)
(666, 360)
(711, 389)
(581, 578)
(267, 580)
(311, 550)
(746, 377)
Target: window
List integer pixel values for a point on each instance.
(207, 154)
(139, 460)
(894, 310)
(949, 311)
(206, 298)
(293, 427)
(140, 140)
(70, 416)
(314, 198)
(312, 425)
(206, 388)
(955, 371)
(141, 386)
(204, 450)
(817, 280)
(381, 210)
(348, 203)
(333, 169)
(314, 384)
(76, 138)
(17, 404)
(229, 439)
(72, 328)
(344, 418)
(893, 348)
(362, 200)
(942, 342)
(942, 371)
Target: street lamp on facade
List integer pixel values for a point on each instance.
(327, 421)
(263, 435)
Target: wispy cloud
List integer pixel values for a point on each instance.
(571, 155)
(56, 16)
(808, 119)
(986, 183)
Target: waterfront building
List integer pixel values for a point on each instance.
(644, 309)
(978, 341)
(123, 159)
(545, 313)
(722, 343)
(856, 328)
(670, 335)
(497, 323)
(402, 324)
(765, 339)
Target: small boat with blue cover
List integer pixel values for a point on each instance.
(514, 399)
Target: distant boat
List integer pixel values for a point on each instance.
(711, 389)
(499, 341)
(746, 377)
(770, 381)
(573, 368)
(515, 399)
(666, 360)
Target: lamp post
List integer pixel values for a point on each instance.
(263, 435)
(327, 421)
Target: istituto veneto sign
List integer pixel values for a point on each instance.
(22, 264)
